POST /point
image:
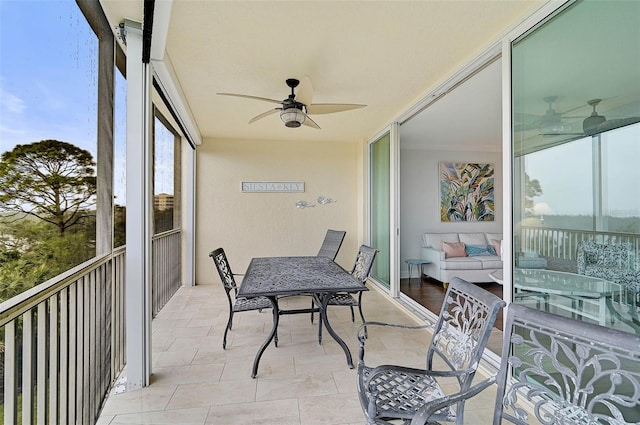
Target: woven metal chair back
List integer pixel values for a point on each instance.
(224, 270)
(462, 331)
(331, 244)
(570, 372)
(364, 262)
(617, 256)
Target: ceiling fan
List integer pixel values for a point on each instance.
(594, 123)
(550, 122)
(295, 109)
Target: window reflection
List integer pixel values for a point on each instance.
(166, 144)
(576, 147)
(119, 163)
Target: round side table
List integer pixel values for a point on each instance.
(416, 262)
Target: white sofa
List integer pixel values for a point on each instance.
(474, 268)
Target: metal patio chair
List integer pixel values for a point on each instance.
(392, 392)
(361, 269)
(235, 304)
(331, 244)
(562, 371)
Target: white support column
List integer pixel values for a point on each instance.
(189, 216)
(139, 172)
(394, 209)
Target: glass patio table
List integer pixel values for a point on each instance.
(579, 289)
(321, 277)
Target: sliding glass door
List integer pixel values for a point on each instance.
(380, 207)
(576, 133)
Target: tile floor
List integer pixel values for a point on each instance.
(196, 382)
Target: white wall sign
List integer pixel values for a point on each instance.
(273, 186)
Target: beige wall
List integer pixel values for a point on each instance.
(250, 225)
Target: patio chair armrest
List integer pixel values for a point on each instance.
(422, 415)
(361, 329)
(362, 337)
(425, 372)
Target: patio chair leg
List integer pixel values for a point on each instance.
(320, 329)
(366, 335)
(312, 304)
(226, 330)
(353, 317)
(372, 409)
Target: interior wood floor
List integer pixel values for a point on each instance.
(430, 293)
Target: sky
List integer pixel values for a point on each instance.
(566, 175)
(45, 91)
(48, 89)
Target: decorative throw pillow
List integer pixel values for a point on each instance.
(453, 249)
(475, 250)
(496, 246)
(491, 249)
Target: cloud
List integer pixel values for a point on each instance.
(11, 102)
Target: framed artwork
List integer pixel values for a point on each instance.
(466, 192)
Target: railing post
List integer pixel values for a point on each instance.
(10, 374)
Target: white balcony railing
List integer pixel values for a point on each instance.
(64, 344)
(166, 268)
(64, 340)
(563, 243)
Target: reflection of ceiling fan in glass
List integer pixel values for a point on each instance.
(596, 123)
(550, 122)
(593, 120)
(553, 123)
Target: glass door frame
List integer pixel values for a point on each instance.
(394, 205)
(507, 151)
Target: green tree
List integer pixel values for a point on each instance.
(31, 252)
(531, 190)
(51, 180)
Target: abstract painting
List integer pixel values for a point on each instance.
(466, 192)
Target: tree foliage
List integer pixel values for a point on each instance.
(51, 180)
(531, 190)
(32, 251)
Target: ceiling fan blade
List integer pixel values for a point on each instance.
(329, 108)
(310, 123)
(264, 114)
(265, 99)
(562, 134)
(305, 91)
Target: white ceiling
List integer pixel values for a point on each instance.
(469, 117)
(386, 54)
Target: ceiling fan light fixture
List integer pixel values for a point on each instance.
(594, 120)
(292, 117)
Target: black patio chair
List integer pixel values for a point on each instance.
(390, 392)
(561, 371)
(329, 249)
(235, 304)
(361, 269)
(331, 244)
